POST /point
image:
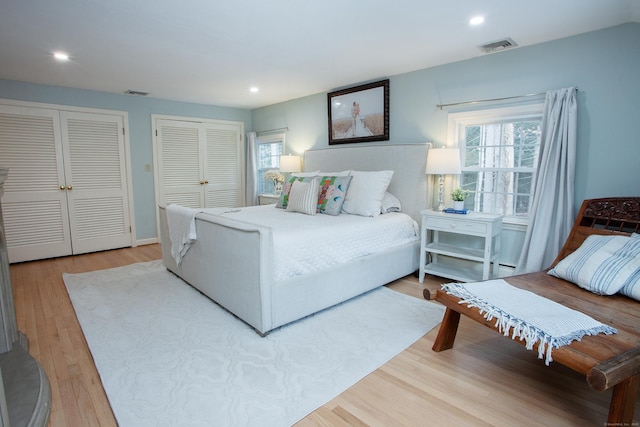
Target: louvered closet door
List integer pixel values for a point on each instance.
(180, 163)
(95, 172)
(222, 168)
(35, 201)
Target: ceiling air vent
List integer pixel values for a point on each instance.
(498, 45)
(136, 92)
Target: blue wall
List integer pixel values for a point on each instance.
(605, 65)
(140, 139)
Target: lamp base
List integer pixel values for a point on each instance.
(441, 207)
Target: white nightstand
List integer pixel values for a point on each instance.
(487, 226)
(268, 199)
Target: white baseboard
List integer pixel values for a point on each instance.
(143, 242)
(506, 270)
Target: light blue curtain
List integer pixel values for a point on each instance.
(552, 215)
(251, 192)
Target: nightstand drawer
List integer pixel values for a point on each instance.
(456, 225)
(268, 199)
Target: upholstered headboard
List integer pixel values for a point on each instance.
(408, 161)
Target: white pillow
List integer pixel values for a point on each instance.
(304, 174)
(390, 203)
(303, 197)
(343, 173)
(366, 192)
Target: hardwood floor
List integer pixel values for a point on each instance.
(46, 316)
(485, 380)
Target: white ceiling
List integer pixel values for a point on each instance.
(212, 52)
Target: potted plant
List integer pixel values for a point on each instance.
(458, 195)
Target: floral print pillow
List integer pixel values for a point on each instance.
(332, 193)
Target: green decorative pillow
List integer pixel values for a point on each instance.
(333, 190)
(286, 188)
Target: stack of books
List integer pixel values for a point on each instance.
(456, 211)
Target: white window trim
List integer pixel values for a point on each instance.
(456, 121)
(270, 139)
(274, 137)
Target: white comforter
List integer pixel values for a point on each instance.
(303, 244)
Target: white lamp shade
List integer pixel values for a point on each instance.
(290, 163)
(443, 161)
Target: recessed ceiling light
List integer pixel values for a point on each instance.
(254, 89)
(61, 56)
(476, 20)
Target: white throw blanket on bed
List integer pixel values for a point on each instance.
(534, 319)
(182, 229)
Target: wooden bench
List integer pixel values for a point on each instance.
(607, 361)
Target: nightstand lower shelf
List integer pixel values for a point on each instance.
(461, 274)
(459, 252)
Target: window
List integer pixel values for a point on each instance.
(270, 147)
(499, 149)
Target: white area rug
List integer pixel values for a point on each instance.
(168, 356)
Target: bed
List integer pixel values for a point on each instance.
(232, 261)
(608, 361)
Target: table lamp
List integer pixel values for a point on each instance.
(443, 161)
(290, 163)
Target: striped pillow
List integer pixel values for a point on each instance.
(284, 197)
(631, 288)
(604, 265)
(303, 197)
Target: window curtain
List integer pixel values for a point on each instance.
(551, 215)
(251, 195)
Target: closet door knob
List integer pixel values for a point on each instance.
(201, 182)
(69, 187)
(62, 187)
(206, 181)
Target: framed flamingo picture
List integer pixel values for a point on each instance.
(359, 114)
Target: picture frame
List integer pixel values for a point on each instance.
(359, 113)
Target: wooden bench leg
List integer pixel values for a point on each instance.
(448, 329)
(623, 402)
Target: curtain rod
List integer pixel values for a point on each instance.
(440, 106)
(285, 129)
